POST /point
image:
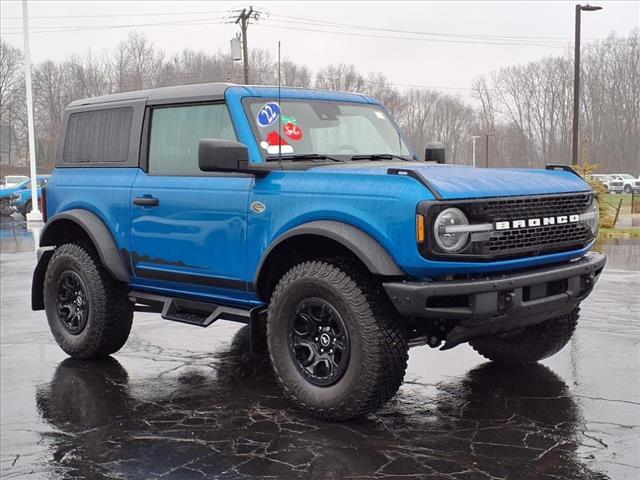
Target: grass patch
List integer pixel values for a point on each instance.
(633, 232)
(613, 200)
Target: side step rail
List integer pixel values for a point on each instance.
(203, 314)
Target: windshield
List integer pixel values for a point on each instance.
(11, 180)
(308, 127)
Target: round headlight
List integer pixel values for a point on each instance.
(447, 238)
(593, 216)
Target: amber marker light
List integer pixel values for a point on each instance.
(420, 228)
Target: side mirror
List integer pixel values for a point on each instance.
(434, 152)
(221, 155)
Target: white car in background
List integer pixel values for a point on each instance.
(13, 180)
(611, 184)
(629, 183)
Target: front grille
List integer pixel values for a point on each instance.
(539, 238)
(516, 242)
(516, 208)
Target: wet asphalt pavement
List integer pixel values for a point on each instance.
(182, 402)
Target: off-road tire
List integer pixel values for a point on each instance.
(26, 208)
(110, 312)
(529, 344)
(5, 208)
(378, 340)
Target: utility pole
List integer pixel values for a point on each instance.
(34, 215)
(576, 80)
(243, 19)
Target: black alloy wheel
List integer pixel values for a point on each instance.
(72, 303)
(319, 342)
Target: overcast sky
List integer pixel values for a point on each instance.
(456, 41)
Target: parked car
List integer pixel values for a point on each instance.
(20, 196)
(611, 184)
(628, 181)
(305, 214)
(12, 180)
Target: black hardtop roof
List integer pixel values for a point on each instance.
(163, 95)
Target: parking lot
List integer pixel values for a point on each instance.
(184, 402)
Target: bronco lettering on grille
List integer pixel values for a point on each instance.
(536, 222)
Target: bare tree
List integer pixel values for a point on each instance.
(340, 77)
(12, 107)
(527, 107)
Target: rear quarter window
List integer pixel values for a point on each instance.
(98, 136)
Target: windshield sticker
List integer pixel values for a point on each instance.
(268, 114)
(286, 119)
(277, 144)
(292, 131)
(275, 150)
(379, 114)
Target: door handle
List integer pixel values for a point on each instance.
(146, 201)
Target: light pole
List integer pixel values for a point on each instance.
(576, 80)
(473, 148)
(34, 215)
(486, 146)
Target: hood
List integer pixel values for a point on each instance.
(6, 190)
(459, 181)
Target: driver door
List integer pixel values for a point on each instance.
(188, 227)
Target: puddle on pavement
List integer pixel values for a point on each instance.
(15, 235)
(622, 253)
(226, 416)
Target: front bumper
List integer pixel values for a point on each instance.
(498, 302)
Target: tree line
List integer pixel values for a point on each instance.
(526, 108)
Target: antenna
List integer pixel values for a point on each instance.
(279, 116)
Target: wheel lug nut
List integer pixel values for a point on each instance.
(316, 339)
(331, 351)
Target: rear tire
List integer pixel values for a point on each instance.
(26, 208)
(89, 313)
(345, 307)
(529, 344)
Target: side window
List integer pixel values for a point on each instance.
(176, 131)
(98, 136)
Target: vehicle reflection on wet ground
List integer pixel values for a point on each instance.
(184, 402)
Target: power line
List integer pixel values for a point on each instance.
(200, 21)
(311, 21)
(120, 15)
(390, 37)
(554, 42)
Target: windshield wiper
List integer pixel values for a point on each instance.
(301, 157)
(379, 156)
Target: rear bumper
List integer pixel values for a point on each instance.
(498, 302)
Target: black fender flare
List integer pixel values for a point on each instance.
(99, 235)
(364, 246)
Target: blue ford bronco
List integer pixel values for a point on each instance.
(306, 215)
